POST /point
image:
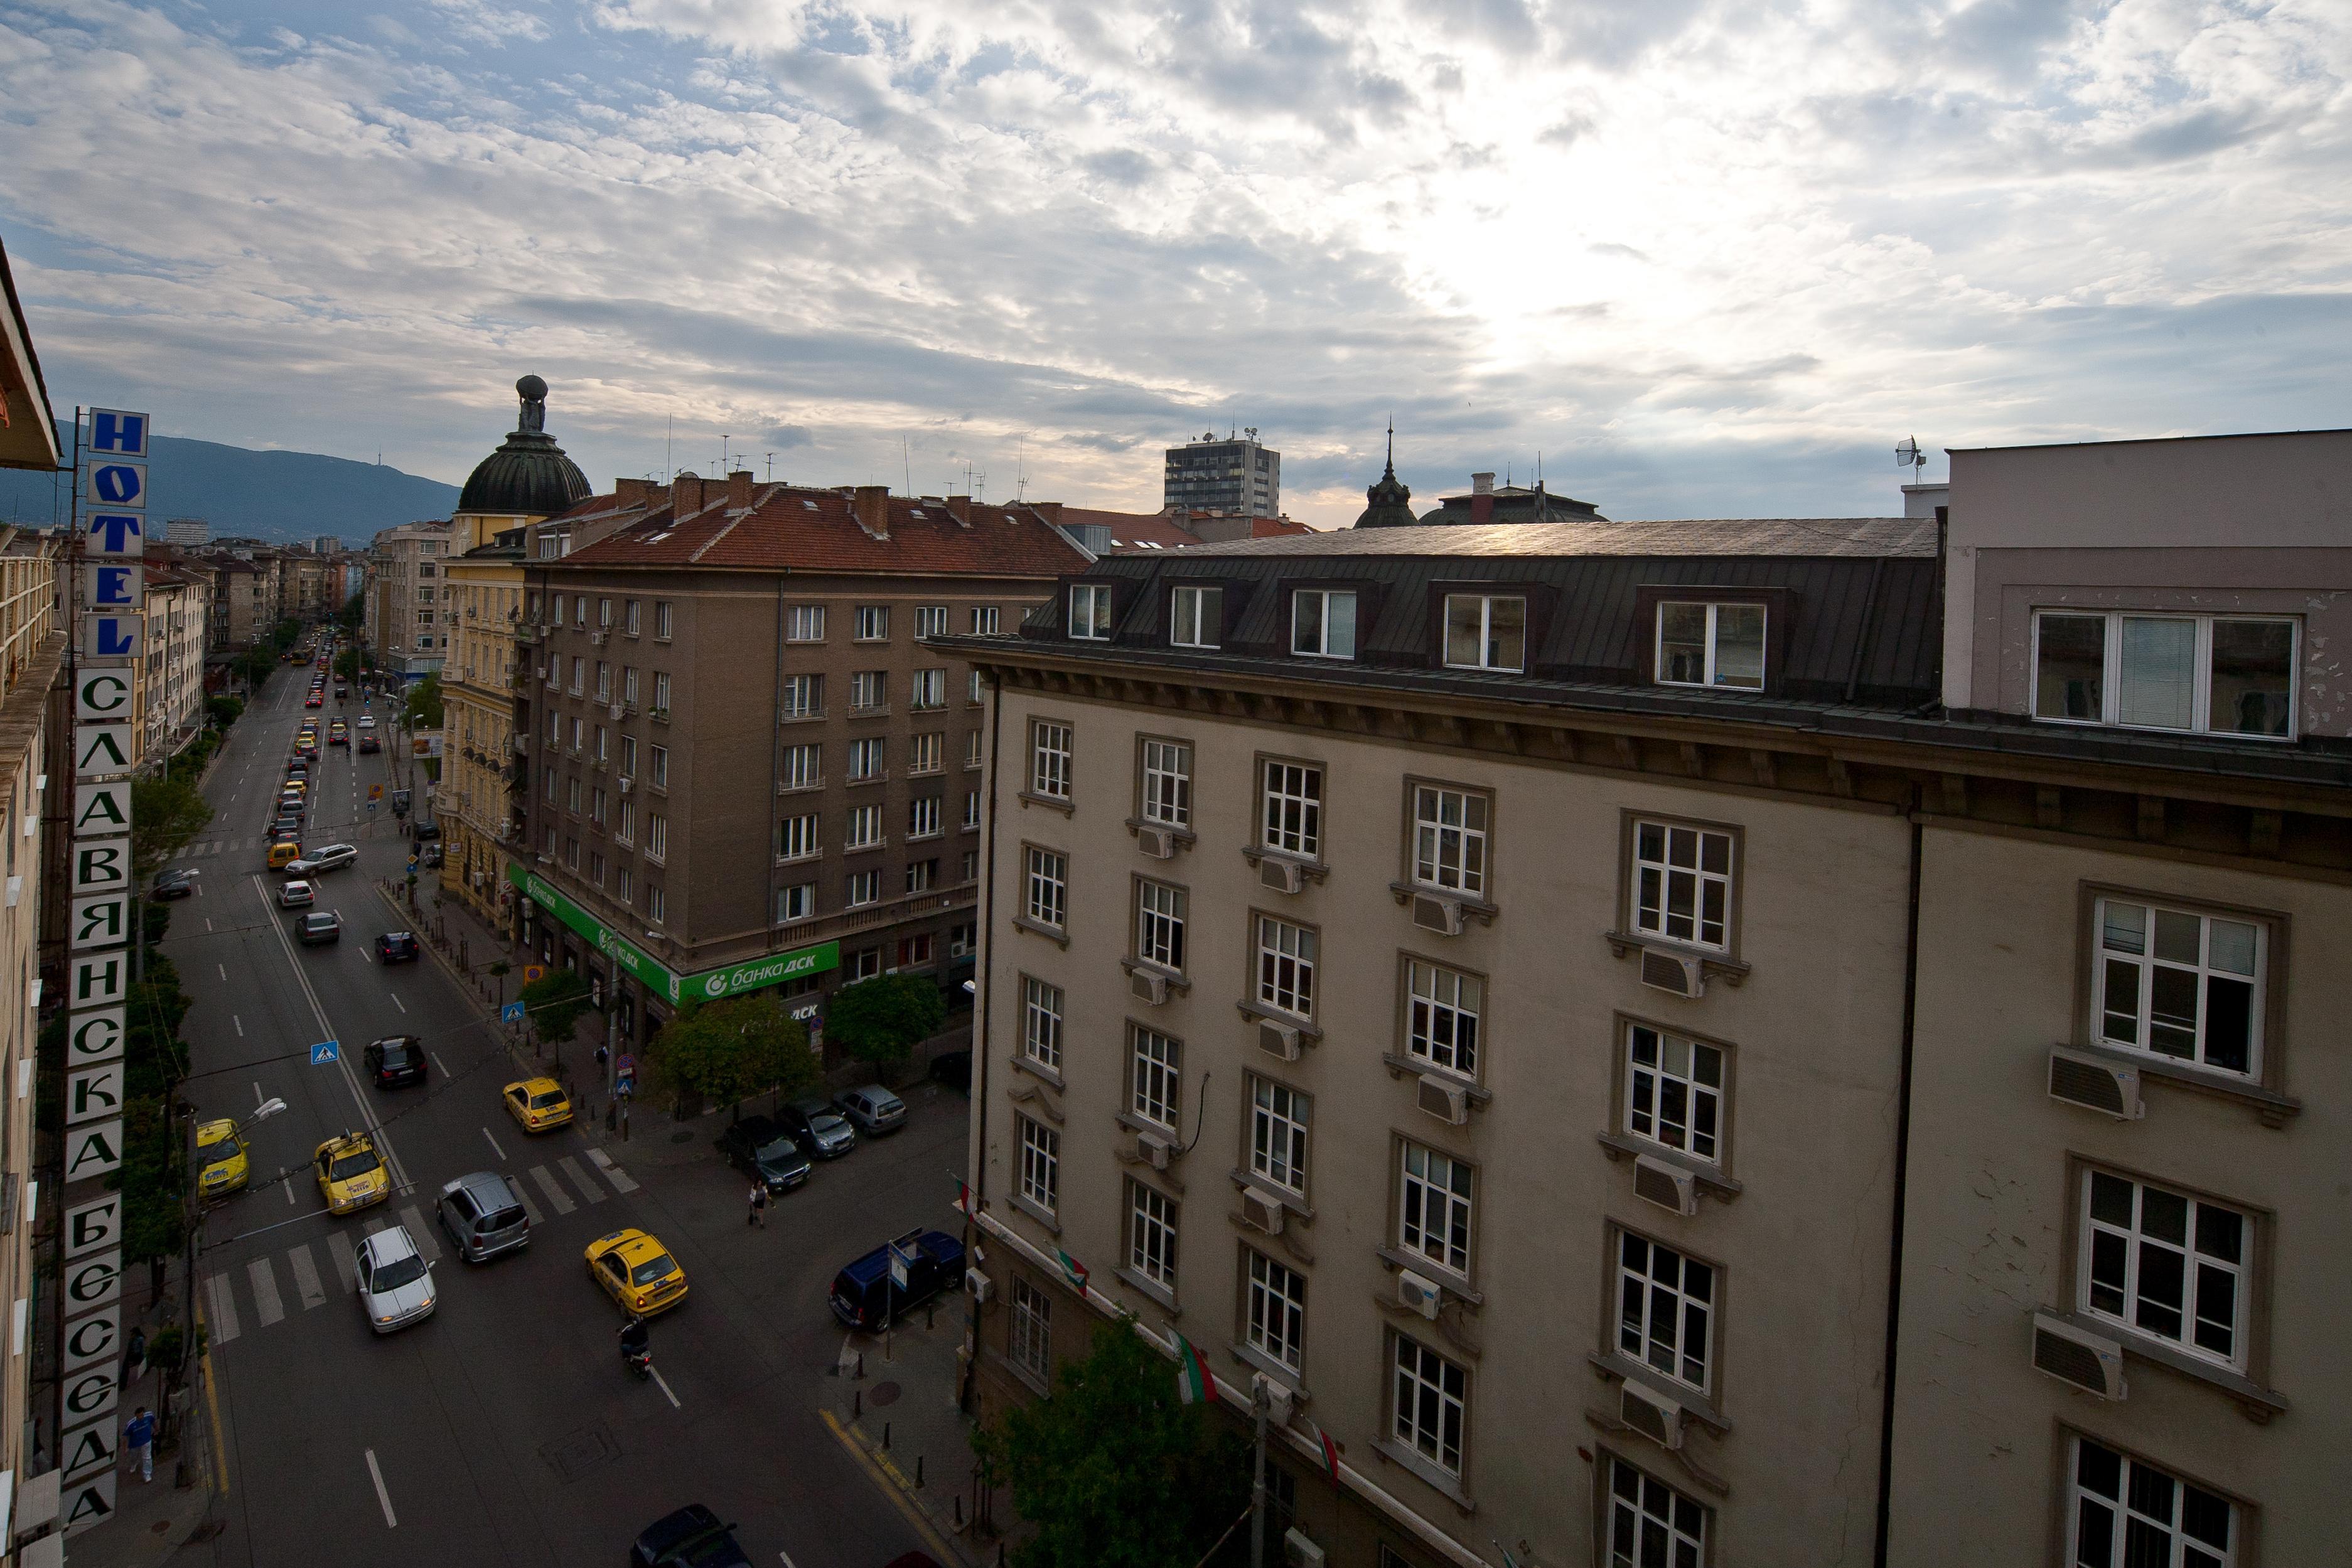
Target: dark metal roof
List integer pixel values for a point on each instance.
(527, 474)
(1827, 536)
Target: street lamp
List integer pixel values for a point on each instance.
(262, 1112)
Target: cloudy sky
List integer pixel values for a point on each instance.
(1705, 258)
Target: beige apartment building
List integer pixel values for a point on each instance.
(238, 617)
(170, 695)
(745, 768)
(1467, 980)
(407, 617)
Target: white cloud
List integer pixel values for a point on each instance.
(1706, 258)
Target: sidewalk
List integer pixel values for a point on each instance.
(894, 1406)
(154, 1519)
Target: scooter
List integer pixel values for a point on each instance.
(637, 1351)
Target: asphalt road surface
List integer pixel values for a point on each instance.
(504, 1430)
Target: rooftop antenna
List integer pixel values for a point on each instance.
(667, 437)
(1021, 469)
(771, 467)
(906, 458)
(1909, 456)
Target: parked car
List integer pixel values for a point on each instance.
(758, 1146)
(396, 1060)
(296, 895)
(483, 1217)
(693, 1537)
(396, 1283)
(396, 947)
(875, 1108)
(326, 857)
(952, 1069)
(173, 885)
(817, 1127)
(426, 828)
(863, 1295)
(321, 926)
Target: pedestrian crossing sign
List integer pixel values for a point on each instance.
(512, 1013)
(322, 1053)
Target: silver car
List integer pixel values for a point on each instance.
(327, 857)
(483, 1216)
(872, 1108)
(396, 1282)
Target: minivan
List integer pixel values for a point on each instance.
(483, 1217)
(863, 1295)
(875, 1108)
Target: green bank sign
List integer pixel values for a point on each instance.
(711, 984)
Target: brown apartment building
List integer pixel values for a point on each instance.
(1582, 1015)
(741, 766)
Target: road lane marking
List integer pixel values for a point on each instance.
(529, 1209)
(382, 1495)
(420, 1233)
(613, 1174)
(787, 1561)
(339, 1247)
(399, 1004)
(208, 922)
(290, 1193)
(485, 1132)
(326, 1031)
(307, 1284)
(554, 1194)
(224, 970)
(240, 1025)
(439, 1063)
(267, 1307)
(674, 1405)
(224, 1310)
(259, 1099)
(579, 1178)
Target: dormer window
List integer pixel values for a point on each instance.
(1090, 612)
(1485, 631)
(1711, 644)
(2223, 675)
(1323, 623)
(1196, 617)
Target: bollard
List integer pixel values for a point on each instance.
(886, 1437)
(918, 1470)
(927, 1310)
(856, 1403)
(959, 1512)
(861, 1365)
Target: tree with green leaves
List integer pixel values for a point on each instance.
(257, 667)
(154, 1210)
(555, 1002)
(882, 1019)
(286, 633)
(223, 711)
(353, 612)
(1115, 1470)
(166, 815)
(727, 1052)
(424, 707)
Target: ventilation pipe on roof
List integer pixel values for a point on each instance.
(870, 505)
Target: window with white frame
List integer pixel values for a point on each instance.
(1665, 1310)
(1151, 1234)
(867, 691)
(1429, 1401)
(661, 692)
(571, 796)
(1041, 1023)
(657, 904)
(797, 838)
(1285, 967)
(623, 886)
(970, 870)
(1048, 875)
(2124, 1513)
(1049, 759)
(1711, 644)
(1323, 623)
(1041, 1164)
(868, 759)
(797, 902)
(2166, 1265)
(629, 684)
(928, 689)
(629, 754)
(2177, 983)
(1029, 1344)
(931, 620)
(971, 808)
(873, 622)
(983, 620)
(1485, 631)
(804, 696)
(578, 674)
(1278, 1134)
(1196, 617)
(580, 611)
(863, 963)
(1682, 883)
(1166, 783)
(1433, 1209)
(923, 817)
(656, 835)
(1442, 1007)
(973, 744)
(1160, 924)
(865, 825)
(1276, 1322)
(1449, 839)
(551, 777)
(629, 619)
(1090, 612)
(2223, 675)
(1157, 1077)
(1674, 1091)
(597, 804)
(805, 623)
(804, 767)
(661, 620)
(1651, 1524)
(604, 681)
(924, 751)
(659, 776)
(921, 875)
(625, 828)
(1291, 820)
(975, 688)
(864, 887)
(555, 607)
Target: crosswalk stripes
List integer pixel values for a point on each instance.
(554, 1194)
(223, 1324)
(267, 1307)
(338, 1247)
(421, 1234)
(613, 1174)
(579, 1178)
(529, 1209)
(306, 1277)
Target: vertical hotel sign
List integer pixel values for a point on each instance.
(100, 925)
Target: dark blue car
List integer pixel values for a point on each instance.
(863, 1294)
(693, 1537)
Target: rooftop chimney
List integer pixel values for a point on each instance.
(738, 489)
(959, 507)
(629, 492)
(870, 505)
(685, 494)
(1051, 510)
(1483, 484)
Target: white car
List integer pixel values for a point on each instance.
(396, 1282)
(326, 857)
(296, 895)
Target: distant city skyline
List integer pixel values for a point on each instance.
(1704, 260)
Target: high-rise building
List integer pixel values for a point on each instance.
(1236, 475)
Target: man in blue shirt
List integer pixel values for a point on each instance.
(139, 1433)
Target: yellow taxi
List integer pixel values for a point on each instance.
(352, 1175)
(637, 1272)
(221, 1159)
(283, 853)
(538, 1104)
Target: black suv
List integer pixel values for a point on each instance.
(758, 1145)
(396, 1060)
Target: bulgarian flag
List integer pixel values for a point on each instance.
(1331, 1449)
(1193, 1383)
(1073, 1268)
(964, 1203)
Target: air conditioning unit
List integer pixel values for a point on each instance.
(1297, 1552)
(2080, 1078)
(521, 744)
(1442, 916)
(1156, 842)
(1653, 1416)
(1449, 1102)
(1282, 876)
(1418, 1295)
(1146, 986)
(626, 781)
(977, 1287)
(1673, 973)
(1262, 1213)
(2091, 1363)
(1280, 1398)
(615, 712)
(1667, 1185)
(595, 639)
(1278, 1040)
(1153, 1150)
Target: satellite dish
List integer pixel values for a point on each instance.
(1909, 456)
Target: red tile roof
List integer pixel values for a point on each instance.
(1130, 529)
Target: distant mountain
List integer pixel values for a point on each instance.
(266, 495)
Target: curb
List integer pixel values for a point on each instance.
(941, 1531)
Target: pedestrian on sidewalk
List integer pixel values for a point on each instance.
(759, 1214)
(134, 1357)
(139, 1433)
